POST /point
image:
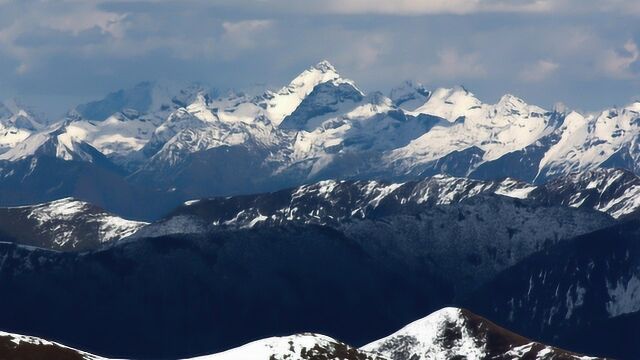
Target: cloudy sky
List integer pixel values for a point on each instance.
(583, 53)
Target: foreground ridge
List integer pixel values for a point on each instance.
(450, 333)
(13, 346)
(453, 333)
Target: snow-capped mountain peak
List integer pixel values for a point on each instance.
(59, 140)
(295, 347)
(322, 126)
(154, 100)
(122, 123)
(510, 99)
(20, 115)
(511, 102)
(450, 104)
(450, 333)
(17, 122)
(325, 66)
(427, 338)
(606, 139)
(409, 95)
(490, 131)
(453, 333)
(138, 97)
(515, 110)
(635, 106)
(200, 109)
(287, 99)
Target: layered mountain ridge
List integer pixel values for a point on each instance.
(319, 207)
(334, 203)
(421, 257)
(441, 221)
(195, 143)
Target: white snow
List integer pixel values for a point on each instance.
(286, 347)
(425, 335)
(257, 219)
(589, 140)
(574, 298)
(369, 109)
(624, 295)
(16, 124)
(628, 203)
(10, 137)
(420, 340)
(59, 138)
(515, 189)
(382, 192)
(519, 352)
(287, 99)
(574, 131)
(375, 126)
(498, 129)
(409, 95)
(614, 191)
(450, 104)
(61, 218)
(200, 109)
(18, 339)
(25, 148)
(113, 135)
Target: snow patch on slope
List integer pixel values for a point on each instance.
(62, 217)
(294, 347)
(32, 340)
(425, 339)
(625, 297)
(514, 189)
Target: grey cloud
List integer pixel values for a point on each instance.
(491, 47)
(539, 71)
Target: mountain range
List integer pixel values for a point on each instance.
(70, 224)
(176, 145)
(225, 285)
(180, 222)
